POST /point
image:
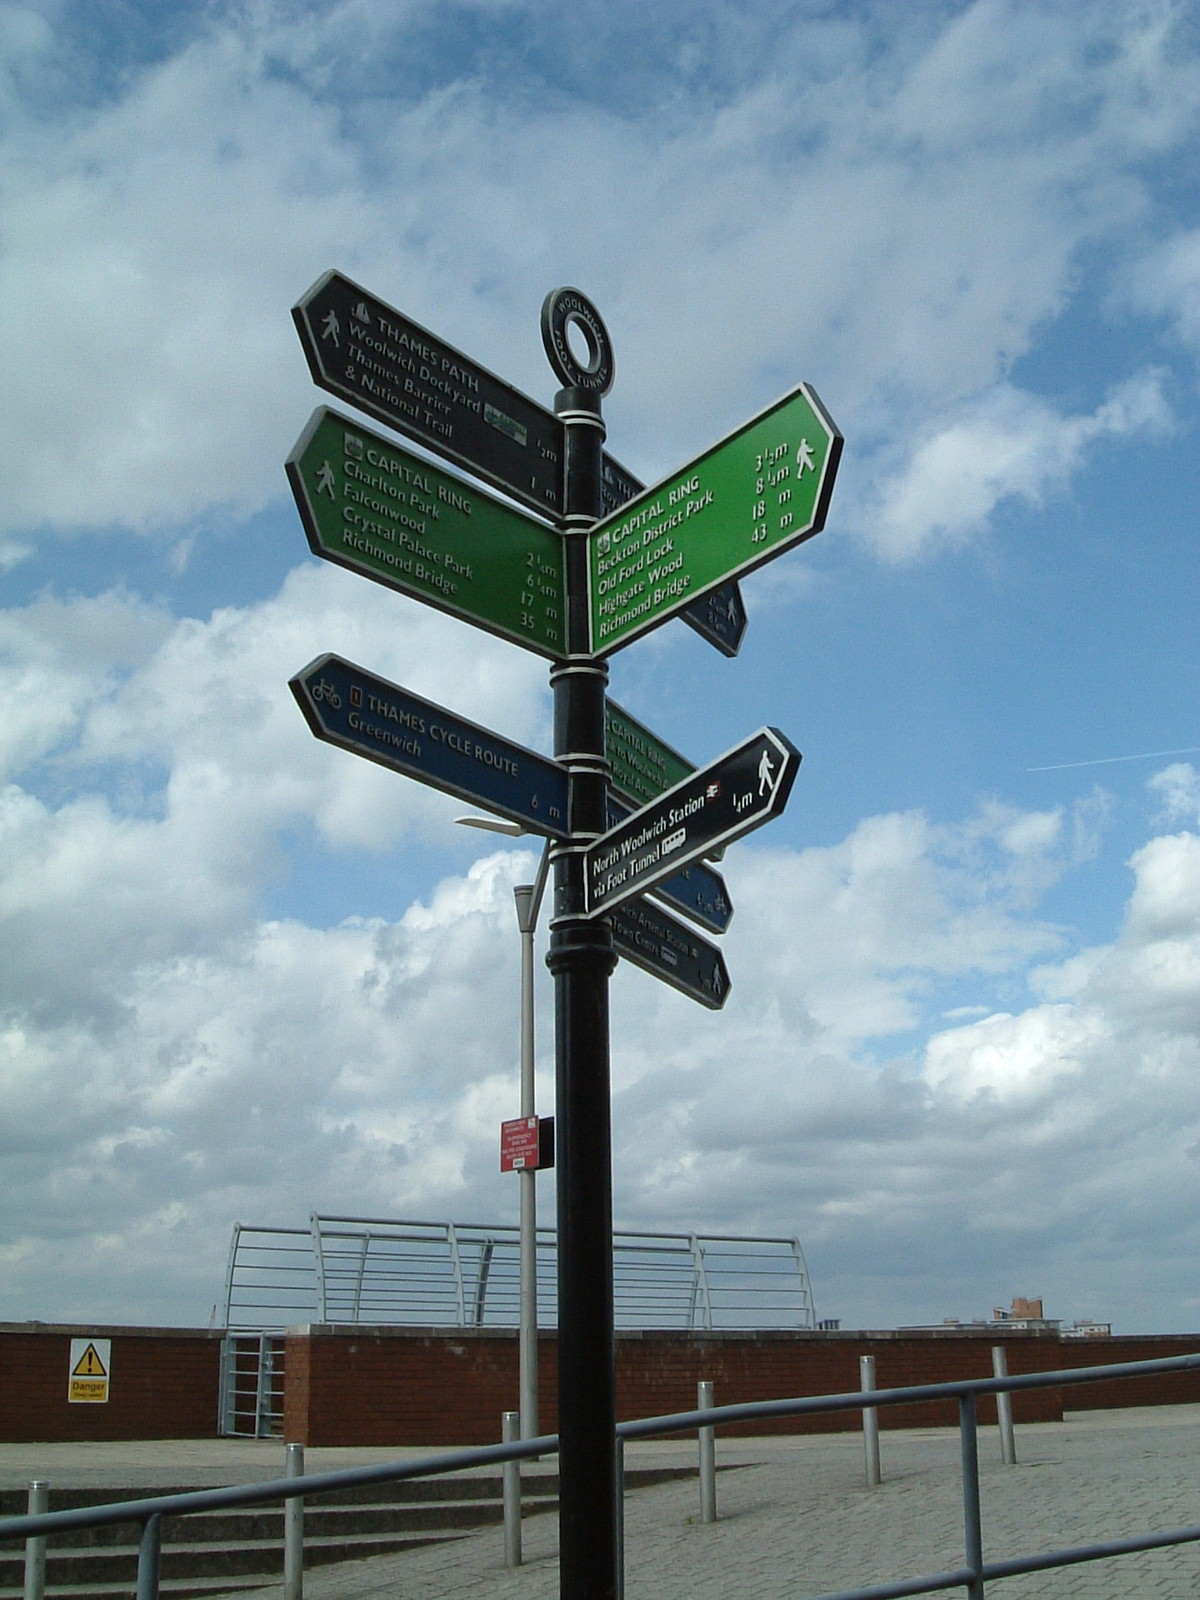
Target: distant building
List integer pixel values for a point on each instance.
(1025, 1313)
(1029, 1313)
(1085, 1328)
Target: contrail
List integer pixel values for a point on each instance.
(1104, 761)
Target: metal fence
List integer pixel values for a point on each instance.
(406, 1273)
(970, 1577)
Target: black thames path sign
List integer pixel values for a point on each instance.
(367, 352)
(346, 706)
(644, 934)
(362, 349)
(714, 806)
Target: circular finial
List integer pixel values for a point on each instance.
(562, 310)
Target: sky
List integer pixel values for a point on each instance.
(245, 976)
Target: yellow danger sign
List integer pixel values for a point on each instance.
(91, 1363)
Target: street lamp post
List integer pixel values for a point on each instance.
(528, 897)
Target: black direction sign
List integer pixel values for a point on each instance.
(720, 617)
(696, 890)
(647, 936)
(712, 807)
(362, 349)
(346, 706)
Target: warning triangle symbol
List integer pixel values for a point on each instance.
(89, 1365)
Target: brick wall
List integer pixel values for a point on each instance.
(390, 1386)
(163, 1384)
(1172, 1388)
(658, 1374)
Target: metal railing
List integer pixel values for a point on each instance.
(971, 1576)
(401, 1272)
(251, 1386)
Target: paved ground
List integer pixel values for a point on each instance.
(795, 1519)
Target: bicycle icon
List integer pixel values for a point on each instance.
(325, 691)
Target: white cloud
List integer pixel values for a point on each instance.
(173, 1063)
(1007, 444)
(893, 204)
(1167, 282)
(1179, 786)
(828, 212)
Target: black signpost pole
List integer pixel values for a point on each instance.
(582, 958)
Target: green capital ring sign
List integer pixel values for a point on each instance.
(378, 509)
(754, 495)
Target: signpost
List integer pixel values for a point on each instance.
(574, 594)
(392, 516)
(714, 806)
(757, 493)
(346, 706)
(644, 934)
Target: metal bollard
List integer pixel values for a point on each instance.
(973, 1533)
(35, 1548)
(510, 1432)
(1008, 1443)
(708, 1457)
(866, 1368)
(293, 1528)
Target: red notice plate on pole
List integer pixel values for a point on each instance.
(519, 1145)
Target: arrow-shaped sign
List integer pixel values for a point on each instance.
(647, 936)
(365, 351)
(714, 806)
(696, 890)
(718, 616)
(374, 718)
(642, 766)
(394, 517)
(748, 499)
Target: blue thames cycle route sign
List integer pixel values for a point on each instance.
(371, 717)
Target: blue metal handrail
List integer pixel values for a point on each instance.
(971, 1576)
